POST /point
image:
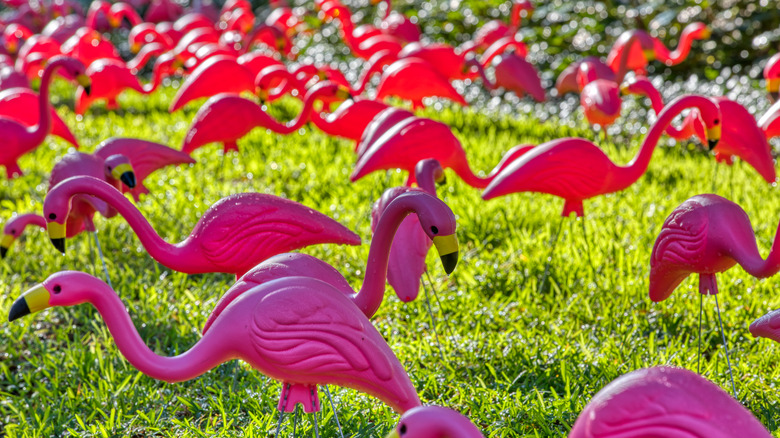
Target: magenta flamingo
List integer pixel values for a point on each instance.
(494, 30)
(576, 169)
(398, 25)
(665, 401)
(514, 73)
(434, 422)
(110, 78)
(706, 234)
(772, 75)
(226, 118)
(768, 326)
(637, 61)
(218, 74)
(412, 139)
(20, 139)
(20, 104)
(410, 245)
(14, 228)
(335, 343)
(232, 236)
(741, 136)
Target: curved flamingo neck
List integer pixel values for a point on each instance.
(188, 365)
(656, 100)
(490, 85)
(93, 12)
(372, 292)
(41, 130)
(162, 251)
(758, 267)
(24, 220)
(630, 173)
(683, 49)
(388, 9)
(375, 65)
(624, 55)
(294, 124)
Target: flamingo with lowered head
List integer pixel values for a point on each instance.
(15, 227)
(20, 139)
(434, 422)
(232, 236)
(637, 60)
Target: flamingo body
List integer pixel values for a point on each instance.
(600, 101)
(20, 104)
(218, 74)
(414, 79)
(109, 79)
(350, 119)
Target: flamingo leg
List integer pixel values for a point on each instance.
(701, 310)
(102, 259)
(335, 414)
(436, 295)
(92, 256)
(313, 397)
(587, 248)
(285, 393)
(433, 319)
(295, 420)
(548, 260)
(725, 347)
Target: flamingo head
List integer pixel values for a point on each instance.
(434, 422)
(66, 288)
(771, 74)
(11, 231)
(698, 30)
(328, 92)
(711, 116)
(118, 167)
(768, 326)
(437, 221)
(430, 170)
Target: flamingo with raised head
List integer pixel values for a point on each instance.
(20, 104)
(20, 139)
(232, 236)
(637, 59)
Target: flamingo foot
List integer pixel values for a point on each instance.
(708, 284)
(575, 207)
(229, 146)
(12, 170)
(294, 393)
(112, 104)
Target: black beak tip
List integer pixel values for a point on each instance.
(128, 178)
(442, 182)
(3, 252)
(59, 244)
(18, 310)
(450, 261)
(87, 90)
(712, 144)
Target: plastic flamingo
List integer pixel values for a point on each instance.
(515, 74)
(20, 139)
(88, 46)
(20, 104)
(772, 75)
(434, 422)
(638, 62)
(14, 36)
(335, 343)
(147, 33)
(576, 169)
(706, 234)
(226, 118)
(35, 48)
(110, 78)
(665, 401)
(218, 74)
(741, 136)
(232, 236)
(494, 30)
(770, 121)
(398, 25)
(364, 41)
(163, 10)
(410, 245)
(15, 227)
(768, 326)
(62, 28)
(414, 79)
(147, 52)
(403, 144)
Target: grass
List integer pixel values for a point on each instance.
(519, 361)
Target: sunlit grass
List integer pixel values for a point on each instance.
(519, 361)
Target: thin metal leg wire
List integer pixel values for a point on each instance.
(335, 413)
(100, 253)
(726, 347)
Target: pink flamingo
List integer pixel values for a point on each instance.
(706, 234)
(350, 119)
(364, 41)
(20, 104)
(768, 326)
(36, 47)
(226, 118)
(665, 401)
(741, 136)
(434, 422)
(232, 236)
(334, 342)
(398, 25)
(110, 78)
(770, 121)
(771, 75)
(411, 139)
(637, 61)
(87, 45)
(494, 30)
(147, 52)
(62, 28)
(147, 33)
(20, 139)
(514, 73)
(576, 169)
(14, 228)
(14, 36)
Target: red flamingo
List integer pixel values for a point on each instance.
(226, 118)
(147, 33)
(350, 119)
(741, 134)
(414, 79)
(770, 121)
(20, 139)
(232, 236)
(637, 61)
(218, 74)
(34, 49)
(364, 41)
(146, 53)
(494, 30)
(513, 73)
(413, 139)
(20, 104)
(88, 46)
(163, 10)
(62, 28)
(14, 36)
(771, 75)
(576, 169)
(110, 78)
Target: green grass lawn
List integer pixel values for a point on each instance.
(519, 361)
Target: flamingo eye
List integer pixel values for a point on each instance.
(13, 232)
(402, 429)
(57, 289)
(716, 121)
(52, 216)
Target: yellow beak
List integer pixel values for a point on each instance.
(772, 85)
(713, 136)
(83, 80)
(135, 48)
(57, 235)
(5, 244)
(649, 54)
(393, 434)
(34, 300)
(447, 246)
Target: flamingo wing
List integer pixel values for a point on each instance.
(240, 231)
(571, 168)
(310, 333)
(741, 136)
(145, 157)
